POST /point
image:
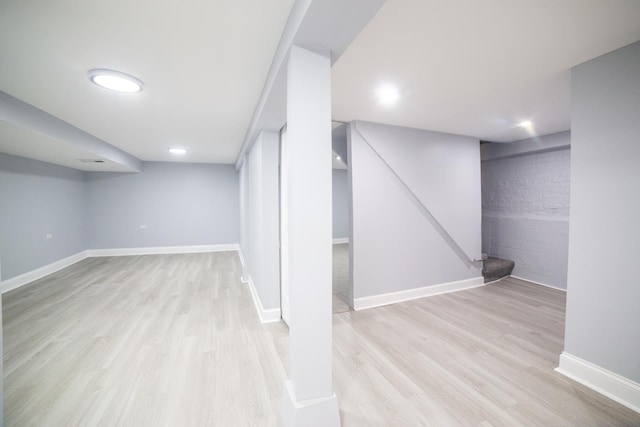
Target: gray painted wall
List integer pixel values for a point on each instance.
(394, 247)
(37, 199)
(340, 204)
(179, 203)
(261, 213)
(525, 211)
(604, 280)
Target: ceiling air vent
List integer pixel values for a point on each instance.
(91, 160)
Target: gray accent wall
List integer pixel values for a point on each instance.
(168, 204)
(260, 218)
(340, 204)
(525, 208)
(39, 199)
(395, 244)
(603, 292)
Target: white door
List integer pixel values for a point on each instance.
(284, 234)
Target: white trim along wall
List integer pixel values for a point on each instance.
(415, 293)
(38, 273)
(605, 382)
(265, 315)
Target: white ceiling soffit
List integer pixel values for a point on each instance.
(203, 64)
(34, 145)
(325, 24)
(478, 67)
(47, 138)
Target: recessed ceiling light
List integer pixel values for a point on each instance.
(115, 80)
(176, 150)
(337, 157)
(388, 94)
(525, 124)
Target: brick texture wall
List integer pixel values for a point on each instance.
(525, 214)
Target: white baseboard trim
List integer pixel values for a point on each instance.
(162, 250)
(241, 255)
(539, 283)
(318, 412)
(245, 272)
(266, 316)
(38, 273)
(411, 294)
(496, 281)
(340, 240)
(607, 383)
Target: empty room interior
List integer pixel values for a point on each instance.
(320, 213)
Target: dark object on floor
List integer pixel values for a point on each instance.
(496, 268)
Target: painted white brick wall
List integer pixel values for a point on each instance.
(525, 214)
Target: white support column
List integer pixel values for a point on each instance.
(308, 398)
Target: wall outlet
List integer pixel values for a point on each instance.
(49, 236)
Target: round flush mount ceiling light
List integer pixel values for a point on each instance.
(177, 150)
(115, 80)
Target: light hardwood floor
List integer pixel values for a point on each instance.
(341, 277)
(174, 340)
(170, 340)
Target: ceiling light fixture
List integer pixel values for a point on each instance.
(388, 94)
(525, 124)
(176, 150)
(115, 80)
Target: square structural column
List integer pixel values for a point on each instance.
(308, 397)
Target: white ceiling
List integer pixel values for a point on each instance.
(203, 64)
(462, 66)
(478, 67)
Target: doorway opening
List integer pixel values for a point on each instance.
(341, 219)
(341, 200)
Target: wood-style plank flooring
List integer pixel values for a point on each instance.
(340, 278)
(173, 340)
(169, 340)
